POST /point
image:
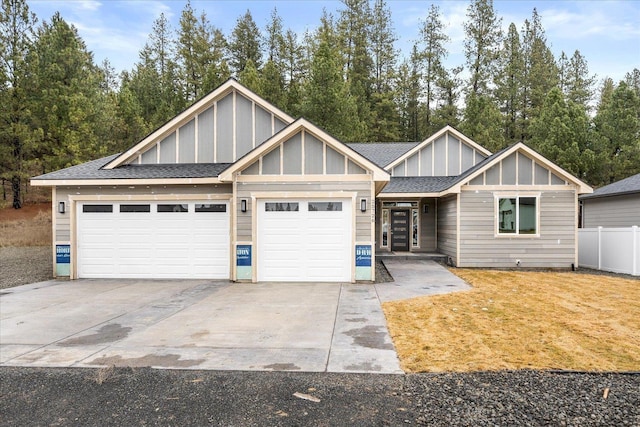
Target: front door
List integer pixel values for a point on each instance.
(400, 230)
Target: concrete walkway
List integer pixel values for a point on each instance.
(416, 278)
(179, 324)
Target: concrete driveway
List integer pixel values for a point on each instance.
(313, 327)
(196, 325)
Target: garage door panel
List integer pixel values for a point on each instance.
(154, 244)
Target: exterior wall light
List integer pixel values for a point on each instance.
(243, 205)
(363, 205)
(425, 209)
(61, 207)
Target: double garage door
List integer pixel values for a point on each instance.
(153, 239)
(304, 240)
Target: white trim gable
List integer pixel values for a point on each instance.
(434, 137)
(188, 114)
(378, 173)
(582, 187)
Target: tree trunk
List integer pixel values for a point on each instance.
(15, 185)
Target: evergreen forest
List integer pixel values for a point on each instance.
(58, 107)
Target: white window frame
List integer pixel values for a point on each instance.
(517, 196)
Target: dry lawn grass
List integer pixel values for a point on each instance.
(27, 231)
(517, 320)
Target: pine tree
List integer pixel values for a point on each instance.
(245, 44)
(482, 122)
(155, 80)
(295, 67)
(67, 89)
(250, 78)
(408, 95)
(618, 128)
(509, 84)
(384, 123)
(540, 71)
(432, 55)
(448, 87)
(327, 101)
(579, 84)
(353, 36)
(561, 134)
(482, 44)
(16, 40)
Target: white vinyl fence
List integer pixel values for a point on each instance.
(610, 249)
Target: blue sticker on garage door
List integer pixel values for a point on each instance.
(63, 254)
(363, 255)
(243, 255)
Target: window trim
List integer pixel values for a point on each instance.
(517, 196)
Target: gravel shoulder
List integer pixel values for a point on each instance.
(23, 265)
(116, 396)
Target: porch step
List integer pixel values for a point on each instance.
(411, 256)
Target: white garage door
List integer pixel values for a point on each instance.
(153, 240)
(304, 240)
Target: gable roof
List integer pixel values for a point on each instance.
(382, 153)
(94, 171)
(379, 174)
(628, 185)
(495, 158)
(447, 129)
(200, 105)
(418, 184)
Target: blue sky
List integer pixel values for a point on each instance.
(607, 33)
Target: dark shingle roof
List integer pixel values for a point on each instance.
(382, 153)
(418, 184)
(624, 186)
(93, 170)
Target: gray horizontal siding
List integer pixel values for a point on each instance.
(614, 211)
(63, 224)
(363, 189)
(479, 247)
(447, 239)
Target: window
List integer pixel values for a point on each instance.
(281, 207)
(173, 208)
(97, 208)
(325, 206)
(213, 207)
(517, 215)
(400, 204)
(414, 229)
(385, 227)
(135, 208)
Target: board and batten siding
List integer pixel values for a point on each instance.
(221, 132)
(283, 190)
(303, 154)
(555, 246)
(445, 156)
(612, 211)
(447, 234)
(63, 221)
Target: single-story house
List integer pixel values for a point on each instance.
(614, 205)
(234, 188)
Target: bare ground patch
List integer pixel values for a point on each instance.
(25, 265)
(518, 320)
(29, 226)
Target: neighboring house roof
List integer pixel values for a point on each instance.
(628, 185)
(382, 153)
(94, 170)
(419, 184)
